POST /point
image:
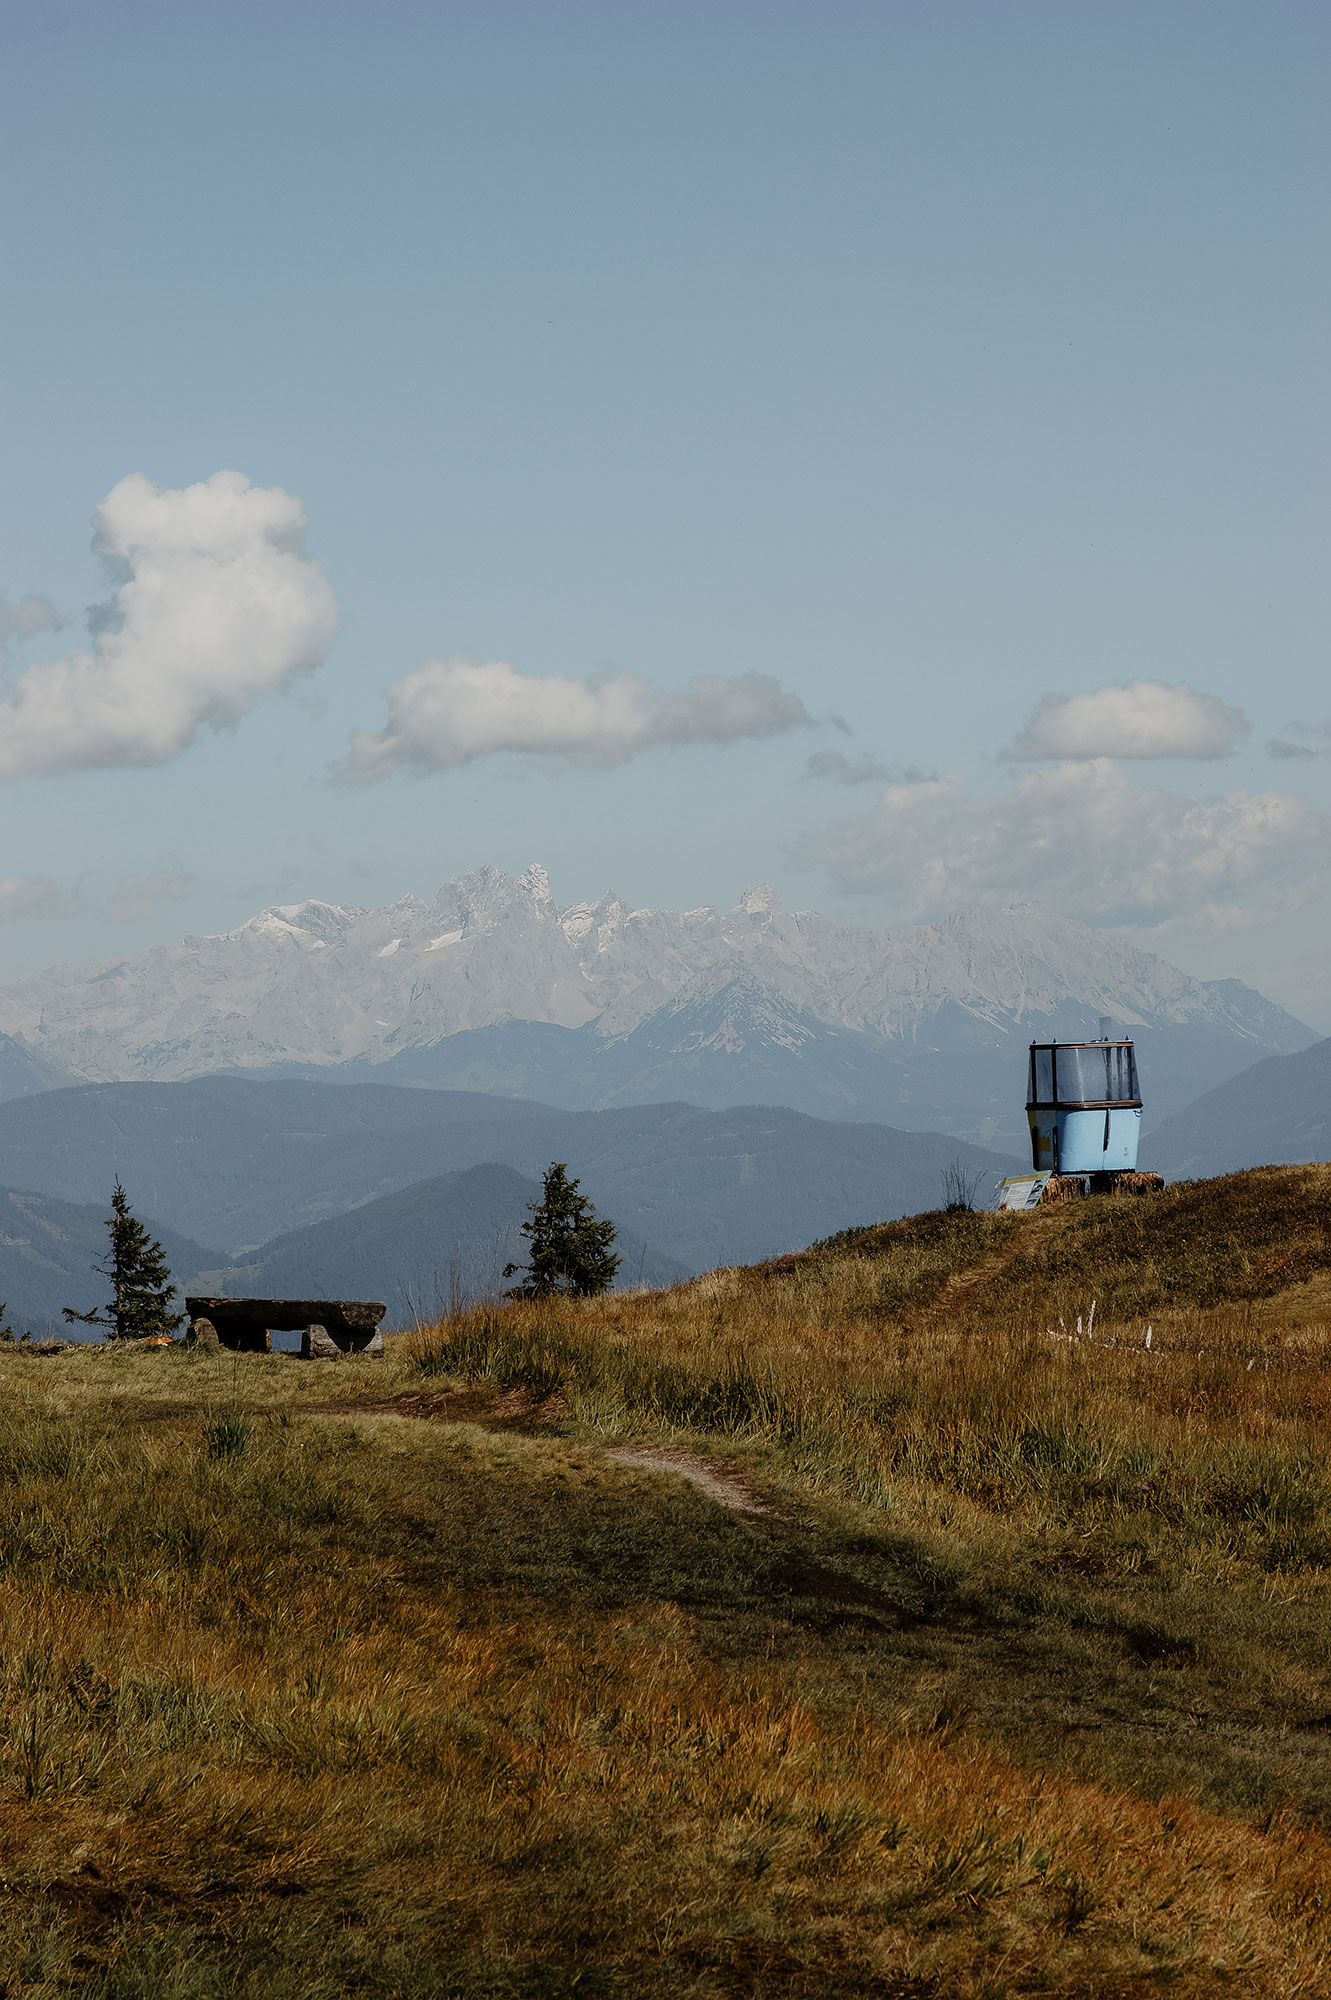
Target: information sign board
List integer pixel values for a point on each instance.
(1021, 1191)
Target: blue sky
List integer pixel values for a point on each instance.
(923, 361)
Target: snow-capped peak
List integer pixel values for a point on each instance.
(318, 983)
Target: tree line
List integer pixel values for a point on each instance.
(570, 1253)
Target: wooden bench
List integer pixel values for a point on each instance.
(327, 1326)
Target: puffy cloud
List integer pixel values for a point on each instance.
(30, 615)
(137, 896)
(33, 896)
(1134, 719)
(1081, 838)
(218, 606)
(451, 712)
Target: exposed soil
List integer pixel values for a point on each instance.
(723, 1487)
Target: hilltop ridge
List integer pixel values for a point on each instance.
(877, 1619)
(1259, 1239)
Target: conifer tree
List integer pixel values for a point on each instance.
(140, 1281)
(569, 1246)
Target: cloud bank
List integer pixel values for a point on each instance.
(218, 606)
(454, 712)
(1135, 719)
(1082, 839)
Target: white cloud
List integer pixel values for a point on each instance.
(30, 615)
(451, 712)
(33, 896)
(1134, 719)
(1081, 838)
(137, 896)
(218, 606)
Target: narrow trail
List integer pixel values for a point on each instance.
(518, 1410)
(820, 1596)
(726, 1488)
(992, 1266)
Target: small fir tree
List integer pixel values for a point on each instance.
(140, 1281)
(569, 1245)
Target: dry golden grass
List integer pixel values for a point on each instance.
(1020, 1685)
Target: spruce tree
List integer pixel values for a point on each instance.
(569, 1246)
(140, 1281)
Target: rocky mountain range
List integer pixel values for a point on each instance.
(494, 986)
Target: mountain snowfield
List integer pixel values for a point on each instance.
(318, 985)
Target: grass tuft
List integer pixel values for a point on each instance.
(227, 1434)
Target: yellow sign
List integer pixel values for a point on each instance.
(1021, 1191)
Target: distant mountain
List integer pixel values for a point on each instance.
(23, 1074)
(232, 1164)
(440, 1242)
(1277, 1113)
(719, 1043)
(744, 1045)
(49, 1250)
(594, 1005)
(235, 1163)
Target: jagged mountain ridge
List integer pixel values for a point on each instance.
(319, 985)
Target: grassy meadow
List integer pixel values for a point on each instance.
(1001, 1665)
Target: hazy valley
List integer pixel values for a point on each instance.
(425, 1180)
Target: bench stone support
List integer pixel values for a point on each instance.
(327, 1326)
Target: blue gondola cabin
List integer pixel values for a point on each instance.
(1084, 1107)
